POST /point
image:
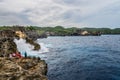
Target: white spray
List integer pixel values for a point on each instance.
(23, 47)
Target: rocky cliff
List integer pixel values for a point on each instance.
(22, 69)
(34, 35)
(7, 44)
(13, 68)
(7, 37)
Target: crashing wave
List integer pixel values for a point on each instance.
(25, 47)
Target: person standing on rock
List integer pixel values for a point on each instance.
(25, 54)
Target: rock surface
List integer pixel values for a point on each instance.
(22, 69)
(7, 46)
(36, 45)
(34, 35)
(19, 68)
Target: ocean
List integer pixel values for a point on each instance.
(80, 57)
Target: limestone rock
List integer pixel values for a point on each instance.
(22, 69)
(36, 45)
(7, 46)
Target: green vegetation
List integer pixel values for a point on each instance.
(59, 30)
(104, 30)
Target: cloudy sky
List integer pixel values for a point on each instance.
(68, 13)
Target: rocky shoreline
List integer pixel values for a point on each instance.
(25, 68)
(22, 69)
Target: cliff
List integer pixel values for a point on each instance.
(31, 33)
(13, 68)
(7, 44)
(22, 69)
(29, 40)
(34, 35)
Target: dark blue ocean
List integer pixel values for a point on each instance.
(83, 57)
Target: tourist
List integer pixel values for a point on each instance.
(18, 54)
(25, 54)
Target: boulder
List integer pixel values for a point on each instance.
(36, 45)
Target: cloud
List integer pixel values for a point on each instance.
(69, 13)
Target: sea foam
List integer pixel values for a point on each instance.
(23, 47)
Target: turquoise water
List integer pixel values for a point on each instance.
(83, 57)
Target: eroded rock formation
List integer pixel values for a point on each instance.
(12, 68)
(7, 44)
(22, 69)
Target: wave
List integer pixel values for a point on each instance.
(23, 47)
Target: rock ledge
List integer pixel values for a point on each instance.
(22, 69)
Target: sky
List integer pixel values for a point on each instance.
(67, 13)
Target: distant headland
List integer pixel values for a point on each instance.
(43, 32)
